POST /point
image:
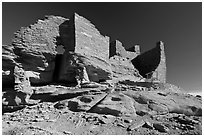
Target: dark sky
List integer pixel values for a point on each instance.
(178, 25)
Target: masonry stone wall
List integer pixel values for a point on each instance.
(89, 41)
(152, 63)
(116, 48)
(161, 69)
(35, 47)
(85, 48)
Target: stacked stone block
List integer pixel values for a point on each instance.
(161, 69)
(88, 40)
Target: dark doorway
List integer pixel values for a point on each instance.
(58, 62)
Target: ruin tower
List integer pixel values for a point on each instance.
(152, 64)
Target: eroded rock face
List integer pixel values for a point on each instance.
(35, 47)
(85, 68)
(8, 64)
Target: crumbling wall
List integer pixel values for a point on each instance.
(161, 69)
(122, 67)
(133, 52)
(152, 63)
(116, 48)
(35, 47)
(120, 61)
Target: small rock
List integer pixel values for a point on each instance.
(128, 120)
(185, 120)
(190, 127)
(121, 125)
(52, 120)
(8, 122)
(136, 125)
(46, 117)
(160, 127)
(148, 124)
(67, 132)
(141, 113)
(38, 120)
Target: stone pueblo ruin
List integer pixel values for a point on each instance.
(63, 77)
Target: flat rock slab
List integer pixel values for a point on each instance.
(115, 104)
(53, 94)
(81, 103)
(157, 102)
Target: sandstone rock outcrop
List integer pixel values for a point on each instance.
(22, 84)
(35, 47)
(8, 64)
(160, 102)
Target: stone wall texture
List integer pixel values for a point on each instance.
(133, 52)
(152, 64)
(161, 69)
(116, 48)
(89, 41)
(35, 47)
(122, 67)
(91, 50)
